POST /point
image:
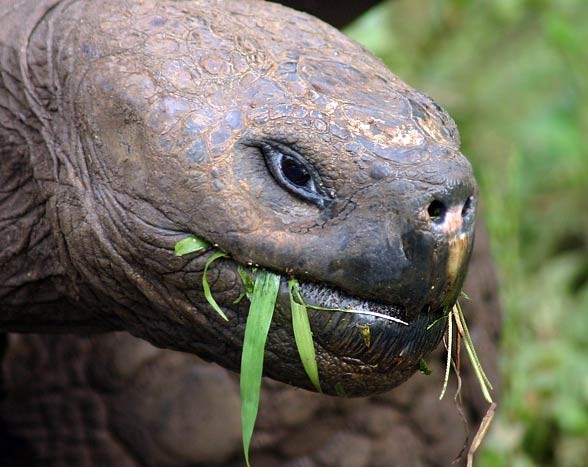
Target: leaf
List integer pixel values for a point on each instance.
(423, 367)
(190, 245)
(207, 293)
(366, 334)
(261, 310)
(248, 281)
(303, 336)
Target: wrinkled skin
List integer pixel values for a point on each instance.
(130, 404)
(127, 127)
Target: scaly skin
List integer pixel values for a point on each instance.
(126, 126)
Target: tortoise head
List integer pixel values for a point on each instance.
(281, 142)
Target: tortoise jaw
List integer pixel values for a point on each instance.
(369, 350)
(376, 347)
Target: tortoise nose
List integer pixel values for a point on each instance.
(452, 212)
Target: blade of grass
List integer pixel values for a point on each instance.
(457, 315)
(343, 310)
(445, 316)
(340, 391)
(448, 363)
(263, 301)
(190, 245)
(469, 343)
(207, 293)
(481, 433)
(248, 282)
(303, 336)
(357, 312)
(485, 384)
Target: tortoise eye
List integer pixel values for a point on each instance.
(293, 173)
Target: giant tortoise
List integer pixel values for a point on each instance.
(127, 126)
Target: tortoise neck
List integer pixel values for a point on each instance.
(33, 282)
(36, 291)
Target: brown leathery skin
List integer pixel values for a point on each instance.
(129, 404)
(149, 121)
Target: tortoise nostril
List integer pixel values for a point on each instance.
(436, 211)
(466, 207)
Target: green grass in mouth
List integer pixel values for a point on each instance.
(456, 317)
(262, 292)
(190, 245)
(303, 334)
(261, 310)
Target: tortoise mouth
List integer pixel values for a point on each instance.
(363, 346)
(323, 296)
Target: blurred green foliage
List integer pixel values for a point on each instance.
(514, 75)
